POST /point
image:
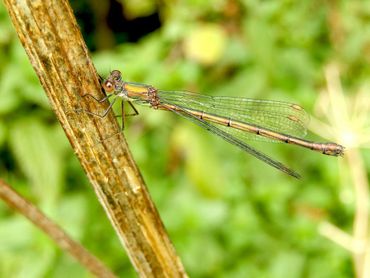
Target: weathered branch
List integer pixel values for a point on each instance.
(17, 202)
(53, 42)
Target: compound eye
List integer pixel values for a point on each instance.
(108, 86)
(116, 74)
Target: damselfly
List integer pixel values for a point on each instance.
(234, 119)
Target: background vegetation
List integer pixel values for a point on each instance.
(227, 214)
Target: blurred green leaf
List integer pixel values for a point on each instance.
(40, 158)
(8, 82)
(287, 264)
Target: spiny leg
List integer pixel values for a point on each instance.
(133, 108)
(106, 111)
(123, 114)
(96, 99)
(109, 108)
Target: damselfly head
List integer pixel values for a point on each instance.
(115, 75)
(110, 84)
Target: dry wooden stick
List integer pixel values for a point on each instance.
(53, 42)
(64, 241)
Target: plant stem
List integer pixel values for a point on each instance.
(50, 35)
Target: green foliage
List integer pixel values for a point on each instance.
(227, 214)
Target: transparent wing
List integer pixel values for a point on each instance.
(282, 117)
(236, 138)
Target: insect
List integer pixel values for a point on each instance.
(235, 119)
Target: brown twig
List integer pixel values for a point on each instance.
(15, 201)
(53, 42)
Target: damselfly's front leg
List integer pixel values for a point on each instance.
(100, 101)
(105, 113)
